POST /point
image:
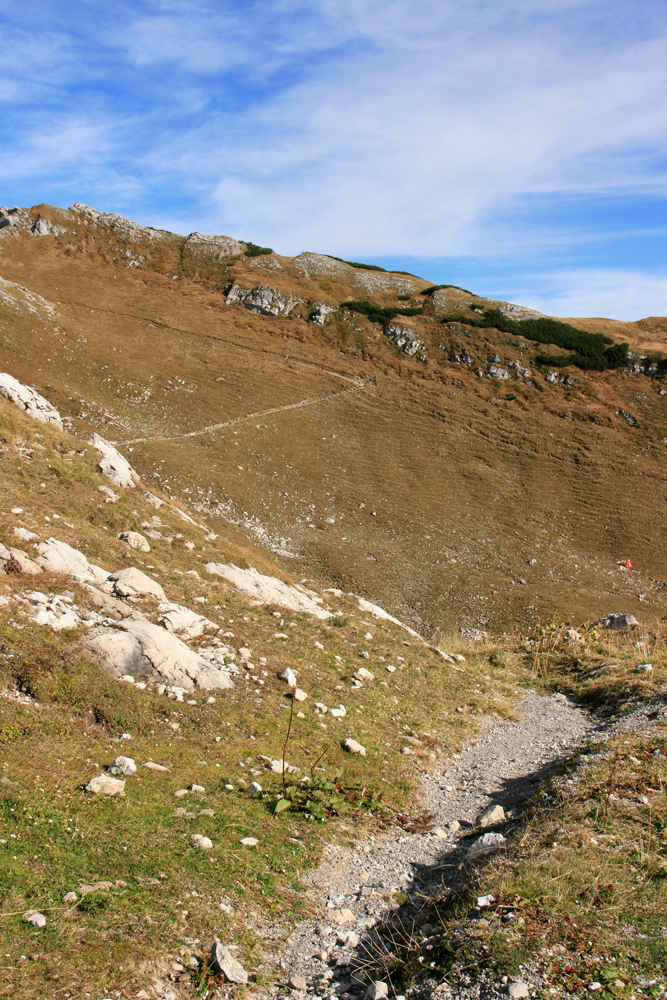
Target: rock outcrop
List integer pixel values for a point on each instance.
(264, 300)
(403, 337)
(147, 651)
(214, 246)
(269, 590)
(321, 313)
(184, 622)
(131, 582)
(112, 463)
(59, 557)
(29, 399)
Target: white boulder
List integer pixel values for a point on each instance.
(122, 765)
(59, 557)
(135, 540)
(353, 747)
(184, 622)
(112, 463)
(268, 589)
(102, 784)
(142, 649)
(29, 400)
(131, 582)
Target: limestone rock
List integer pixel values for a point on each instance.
(288, 676)
(35, 918)
(254, 788)
(321, 312)
(224, 963)
(353, 747)
(112, 463)
(269, 590)
(184, 622)
(297, 983)
(377, 991)
(70, 897)
(494, 814)
(364, 675)
(44, 227)
(616, 622)
(103, 784)
(518, 990)
(146, 650)
(23, 563)
(299, 695)
(59, 557)
(25, 535)
(131, 582)
(377, 612)
(277, 767)
(218, 247)
(264, 300)
(488, 843)
(497, 371)
(29, 400)
(152, 766)
(203, 843)
(135, 540)
(250, 841)
(122, 765)
(403, 337)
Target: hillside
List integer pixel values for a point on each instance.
(326, 583)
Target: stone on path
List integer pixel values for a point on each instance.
(297, 983)
(105, 785)
(488, 843)
(112, 463)
(518, 990)
(122, 765)
(353, 747)
(35, 918)
(135, 540)
(377, 991)
(494, 814)
(224, 963)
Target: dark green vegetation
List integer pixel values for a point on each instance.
(252, 250)
(380, 314)
(590, 350)
(436, 288)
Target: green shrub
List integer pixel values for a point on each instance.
(436, 288)
(252, 250)
(380, 314)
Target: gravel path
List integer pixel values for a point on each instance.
(349, 889)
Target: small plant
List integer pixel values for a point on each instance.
(339, 621)
(323, 798)
(252, 250)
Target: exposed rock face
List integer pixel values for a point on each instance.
(29, 400)
(43, 227)
(264, 300)
(403, 337)
(131, 582)
(126, 228)
(184, 622)
(519, 312)
(112, 463)
(16, 218)
(269, 590)
(321, 312)
(214, 246)
(23, 563)
(378, 612)
(497, 371)
(142, 649)
(59, 557)
(318, 263)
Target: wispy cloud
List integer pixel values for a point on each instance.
(360, 127)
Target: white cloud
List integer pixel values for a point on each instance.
(610, 293)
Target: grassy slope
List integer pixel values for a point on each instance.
(468, 478)
(72, 716)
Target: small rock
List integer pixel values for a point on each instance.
(299, 695)
(616, 622)
(518, 990)
(297, 983)
(440, 833)
(197, 789)
(339, 712)
(488, 843)
(224, 963)
(250, 842)
(454, 825)
(319, 645)
(321, 707)
(206, 812)
(494, 814)
(343, 917)
(203, 843)
(152, 766)
(289, 676)
(179, 793)
(135, 540)
(459, 657)
(364, 655)
(70, 897)
(254, 788)
(105, 785)
(390, 668)
(353, 747)
(643, 799)
(364, 675)
(377, 991)
(35, 918)
(122, 765)
(644, 668)
(484, 901)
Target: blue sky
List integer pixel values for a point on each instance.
(515, 147)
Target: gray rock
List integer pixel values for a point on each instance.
(44, 227)
(135, 540)
(353, 747)
(29, 399)
(102, 784)
(203, 843)
(70, 897)
(269, 590)
(254, 788)
(488, 843)
(494, 814)
(297, 983)
(131, 582)
(59, 557)
(403, 337)
(112, 463)
(644, 668)
(143, 649)
(122, 765)
(616, 621)
(497, 371)
(264, 300)
(23, 563)
(288, 676)
(321, 313)
(184, 622)
(377, 991)
(224, 963)
(35, 918)
(152, 766)
(518, 990)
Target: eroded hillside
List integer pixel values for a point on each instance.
(429, 464)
